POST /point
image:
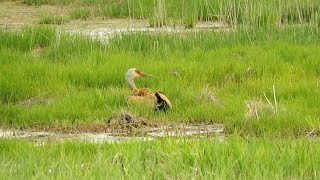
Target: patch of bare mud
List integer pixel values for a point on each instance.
(178, 130)
(121, 127)
(14, 15)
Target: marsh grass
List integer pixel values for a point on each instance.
(80, 14)
(251, 13)
(84, 79)
(51, 78)
(52, 20)
(232, 157)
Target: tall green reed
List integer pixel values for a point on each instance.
(250, 13)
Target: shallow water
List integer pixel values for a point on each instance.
(151, 133)
(107, 32)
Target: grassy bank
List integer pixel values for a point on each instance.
(233, 158)
(50, 77)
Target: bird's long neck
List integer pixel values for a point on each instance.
(130, 82)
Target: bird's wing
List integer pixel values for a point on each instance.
(149, 100)
(164, 97)
(140, 92)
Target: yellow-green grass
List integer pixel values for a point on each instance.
(231, 158)
(52, 20)
(188, 12)
(80, 14)
(49, 77)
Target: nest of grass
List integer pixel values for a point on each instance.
(120, 122)
(125, 120)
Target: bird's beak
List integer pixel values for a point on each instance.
(146, 75)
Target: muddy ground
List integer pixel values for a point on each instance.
(14, 15)
(120, 127)
(177, 130)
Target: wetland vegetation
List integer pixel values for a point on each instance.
(234, 158)
(258, 76)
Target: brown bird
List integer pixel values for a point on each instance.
(157, 100)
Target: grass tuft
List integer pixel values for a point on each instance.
(52, 20)
(80, 14)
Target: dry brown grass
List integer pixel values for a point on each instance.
(256, 108)
(41, 99)
(209, 96)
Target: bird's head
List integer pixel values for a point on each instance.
(135, 73)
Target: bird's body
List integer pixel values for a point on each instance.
(157, 100)
(140, 92)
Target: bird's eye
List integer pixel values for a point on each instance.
(137, 71)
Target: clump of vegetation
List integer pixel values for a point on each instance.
(126, 120)
(209, 96)
(80, 14)
(28, 39)
(53, 20)
(37, 2)
(257, 108)
(300, 13)
(115, 10)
